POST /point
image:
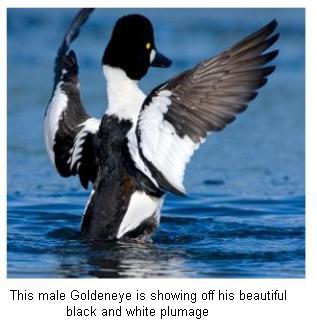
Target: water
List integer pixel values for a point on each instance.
(245, 212)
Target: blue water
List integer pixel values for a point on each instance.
(245, 211)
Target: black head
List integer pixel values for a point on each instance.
(132, 47)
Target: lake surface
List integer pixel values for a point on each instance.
(245, 211)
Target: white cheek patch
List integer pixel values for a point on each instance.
(152, 55)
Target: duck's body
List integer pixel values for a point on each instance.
(121, 204)
(140, 148)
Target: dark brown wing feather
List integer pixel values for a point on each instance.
(207, 97)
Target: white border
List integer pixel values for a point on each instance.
(3, 140)
(298, 311)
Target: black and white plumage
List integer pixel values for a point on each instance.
(140, 148)
(177, 116)
(69, 132)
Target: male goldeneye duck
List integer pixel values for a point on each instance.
(138, 151)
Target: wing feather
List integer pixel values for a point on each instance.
(70, 133)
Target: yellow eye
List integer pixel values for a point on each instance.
(148, 45)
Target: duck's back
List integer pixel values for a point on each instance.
(117, 206)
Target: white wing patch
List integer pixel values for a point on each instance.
(91, 125)
(55, 108)
(141, 207)
(161, 145)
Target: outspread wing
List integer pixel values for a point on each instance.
(177, 116)
(70, 133)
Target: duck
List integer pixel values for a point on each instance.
(138, 151)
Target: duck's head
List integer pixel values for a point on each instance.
(132, 47)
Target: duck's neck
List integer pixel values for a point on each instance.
(124, 96)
